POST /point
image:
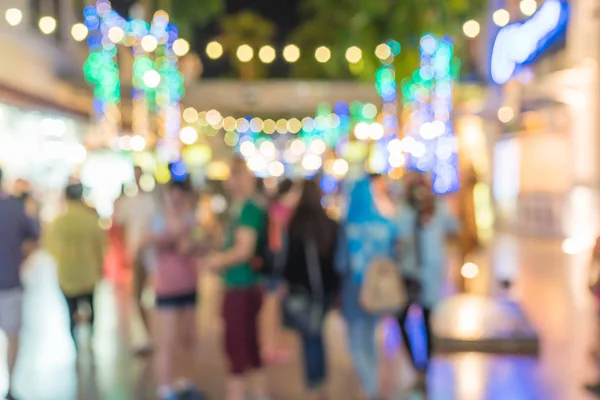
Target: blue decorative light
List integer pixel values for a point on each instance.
(519, 44)
(179, 171)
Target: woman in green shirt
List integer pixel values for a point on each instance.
(243, 293)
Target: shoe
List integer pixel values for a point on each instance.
(144, 351)
(593, 388)
(9, 396)
(191, 394)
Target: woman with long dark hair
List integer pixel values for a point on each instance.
(280, 210)
(311, 278)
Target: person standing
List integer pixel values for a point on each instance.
(135, 215)
(176, 285)
(311, 278)
(78, 245)
(423, 227)
(370, 234)
(281, 209)
(243, 293)
(16, 229)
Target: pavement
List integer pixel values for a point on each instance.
(549, 288)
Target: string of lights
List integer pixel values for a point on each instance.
(501, 18)
(157, 82)
(430, 143)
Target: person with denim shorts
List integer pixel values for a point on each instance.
(16, 229)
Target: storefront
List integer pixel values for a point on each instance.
(42, 147)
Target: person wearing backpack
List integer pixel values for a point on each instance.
(370, 237)
(423, 227)
(311, 280)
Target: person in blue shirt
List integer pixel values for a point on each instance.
(16, 229)
(423, 226)
(370, 232)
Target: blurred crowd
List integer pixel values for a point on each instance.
(383, 257)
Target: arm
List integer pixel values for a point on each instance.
(342, 255)
(243, 248)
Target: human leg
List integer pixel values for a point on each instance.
(405, 336)
(140, 279)
(72, 307)
(363, 348)
(429, 334)
(234, 318)
(314, 363)
(188, 339)
(257, 377)
(166, 345)
(11, 306)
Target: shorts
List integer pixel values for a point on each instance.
(11, 310)
(272, 283)
(241, 308)
(180, 301)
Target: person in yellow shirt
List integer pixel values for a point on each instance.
(77, 244)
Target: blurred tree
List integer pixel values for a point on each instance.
(185, 14)
(340, 24)
(246, 27)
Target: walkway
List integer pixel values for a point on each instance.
(549, 284)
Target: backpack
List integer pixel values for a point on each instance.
(382, 291)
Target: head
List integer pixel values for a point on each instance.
(241, 183)
(74, 192)
(289, 193)
(310, 220)
(22, 187)
(137, 174)
(179, 191)
(379, 186)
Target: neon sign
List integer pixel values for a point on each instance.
(521, 43)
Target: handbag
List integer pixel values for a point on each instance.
(303, 309)
(382, 291)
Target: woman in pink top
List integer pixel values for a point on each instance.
(176, 281)
(281, 209)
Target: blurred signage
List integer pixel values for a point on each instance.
(521, 43)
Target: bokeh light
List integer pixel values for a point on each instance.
(149, 43)
(362, 131)
(244, 53)
(47, 25)
(383, 51)
(79, 32)
(311, 162)
(501, 17)
(116, 34)
(151, 79)
(214, 50)
(340, 167)
(190, 115)
(266, 54)
(471, 29)
(188, 135)
(13, 16)
(322, 54)
(353, 54)
(291, 53)
(376, 131)
(528, 7)
(276, 168)
(506, 114)
(181, 47)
